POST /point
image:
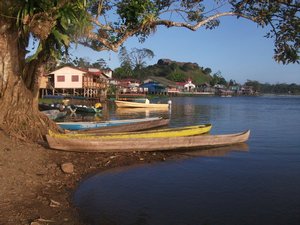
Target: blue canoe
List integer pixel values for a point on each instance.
(93, 125)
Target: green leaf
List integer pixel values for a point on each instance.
(61, 37)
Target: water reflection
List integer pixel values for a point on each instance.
(253, 184)
(139, 194)
(142, 112)
(216, 152)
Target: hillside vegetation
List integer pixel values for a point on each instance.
(175, 71)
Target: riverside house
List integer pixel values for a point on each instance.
(67, 80)
(186, 86)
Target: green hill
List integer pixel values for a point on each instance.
(176, 71)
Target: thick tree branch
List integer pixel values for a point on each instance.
(109, 45)
(106, 43)
(196, 26)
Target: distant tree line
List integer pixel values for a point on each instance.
(72, 61)
(280, 88)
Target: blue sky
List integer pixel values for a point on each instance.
(237, 48)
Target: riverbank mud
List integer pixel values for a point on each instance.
(37, 183)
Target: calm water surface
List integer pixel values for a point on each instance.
(255, 184)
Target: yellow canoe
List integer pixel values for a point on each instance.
(194, 142)
(162, 133)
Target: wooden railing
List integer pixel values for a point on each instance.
(94, 85)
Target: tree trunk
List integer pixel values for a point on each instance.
(19, 114)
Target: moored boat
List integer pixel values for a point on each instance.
(115, 144)
(108, 123)
(128, 104)
(85, 109)
(130, 127)
(159, 133)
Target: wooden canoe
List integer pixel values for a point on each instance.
(108, 123)
(130, 127)
(127, 104)
(160, 133)
(145, 144)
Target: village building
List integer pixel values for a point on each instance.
(152, 87)
(247, 90)
(186, 86)
(127, 85)
(189, 86)
(91, 83)
(160, 85)
(206, 88)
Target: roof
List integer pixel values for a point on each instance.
(86, 71)
(163, 81)
(73, 68)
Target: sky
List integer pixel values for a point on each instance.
(237, 48)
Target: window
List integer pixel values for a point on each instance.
(75, 78)
(60, 78)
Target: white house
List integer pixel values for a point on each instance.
(189, 86)
(68, 77)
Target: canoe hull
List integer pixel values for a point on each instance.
(158, 133)
(94, 125)
(146, 144)
(137, 126)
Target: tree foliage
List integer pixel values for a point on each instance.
(217, 78)
(142, 17)
(174, 71)
(68, 60)
(106, 25)
(139, 57)
(53, 24)
(132, 62)
(280, 88)
(282, 19)
(136, 58)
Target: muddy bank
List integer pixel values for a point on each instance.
(34, 188)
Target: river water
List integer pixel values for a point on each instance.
(257, 183)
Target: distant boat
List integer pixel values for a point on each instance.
(93, 125)
(226, 96)
(146, 104)
(148, 143)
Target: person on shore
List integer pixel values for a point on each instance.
(169, 103)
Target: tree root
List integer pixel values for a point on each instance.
(30, 127)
